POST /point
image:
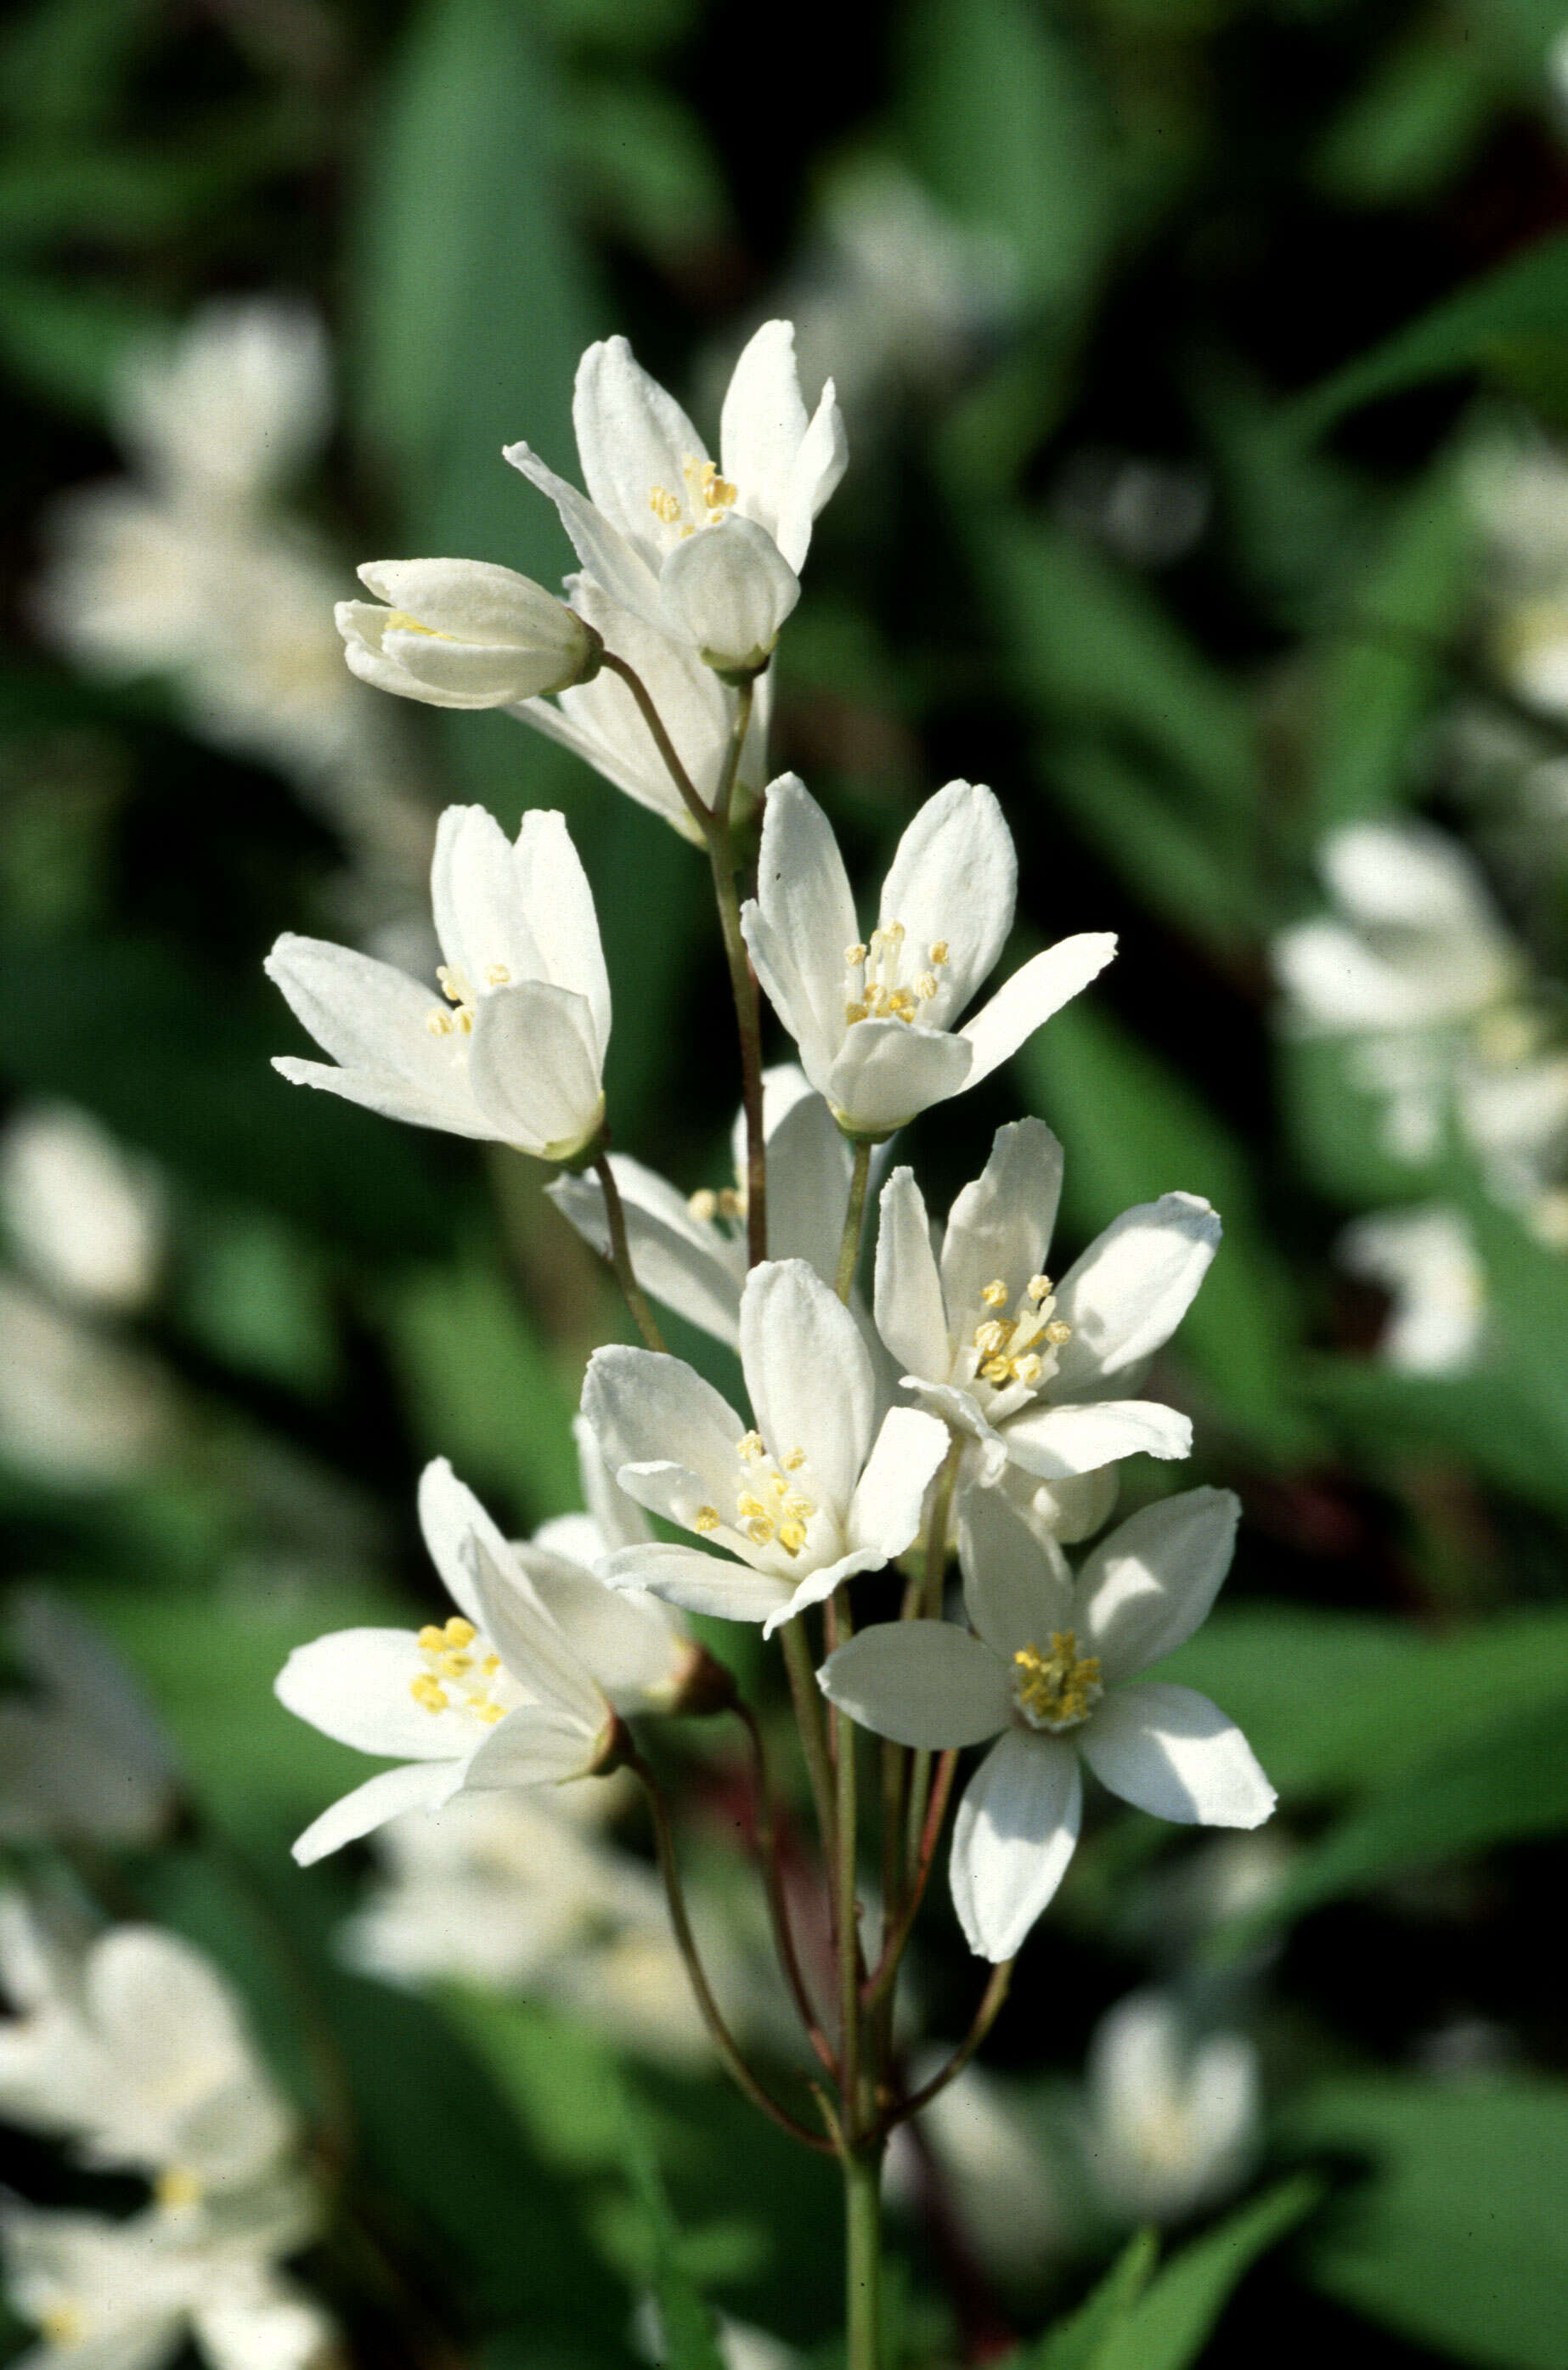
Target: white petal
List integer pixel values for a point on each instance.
(1169, 1750)
(366, 1014)
(719, 1586)
(369, 662)
(920, 1683)
(1013, 1839)
(1026, 1001)
(472, 600)
(810, 1376)
(808, 1183)
(650, 1410)
(631, 437)
(1000, 1225)
(1145, 1589)
(537, 1744)
(354, 1685)
(685, 1262)
(783, 985)
(1131, 1289)
(418, 1786)
(534, 1069)
(1017, 1588)
(818, 1586)
(449, 1514)
(885, 1074)
(555, 894)
(764, 423)
(626, 570)
(727, 590)
(819, 465)
(529, 1643)
(1339, 982)
(274, 2331)
(478, 673)
(884, 1513)
(954, 876)
(617, 1519)
(1056, 1443)
(803, 893)
(635, 1650)
(907, 1296)
(384, 1092)
(481, 919)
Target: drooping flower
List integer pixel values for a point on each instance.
(463, 633)
(138, 2050)
(708, 557)
(814, 1492)
(516, 1053)
(875, 1019)
(80, 1752)
(128, 2296)
(1046, 1671)
(1426, 1261)
(689, 1251)
(1034, 1373)
(1172, 2120)
(494, 1697)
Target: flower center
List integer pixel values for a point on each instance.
(456, 990)
(1023, 1349)
(878, 988)
(729, 1201)
(177, 2188)
(461, 1670)
(708, 499)
(1056, 1690)
(771, 1507)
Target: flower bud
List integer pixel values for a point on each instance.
(463, 633)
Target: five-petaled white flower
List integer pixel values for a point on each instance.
(875, 1018)
(708, 557)
(496, 1696)
(814, 1493)
(516, 1053)
(689, 1251)
(463, 633)
(1046, 1675)
(1030, 1371)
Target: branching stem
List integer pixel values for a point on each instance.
(620, 1254)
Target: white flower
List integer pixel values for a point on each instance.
(1034, 1372)
(1024, 1680)
(127, 2296)
(709, 559)
(1172, 2122)
(494, 1697)
(516, 1054)
(689, 1251)
(85, 1217)
(601, 723)
(462, 633)
(138, 2050)
(74, 1405)
(80, 1752)
(994, 2160)
(1425, 1259)
(814, 1494)
(874, 1020)
(235, 406)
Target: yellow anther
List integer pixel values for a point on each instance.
(900, 1003)
(751, 1444)
(438, 1023)
(665, 506)
(1056, 1333)
(1040, 1287)
(1028, 1369)
(1056, 1690)
(778, 1484)
(794, 1461)
(175, 2186)
(894, 933)
(428, 1690)
(451, 1667)
(994, 1335)
(995, 1294)
(998, 1370)
(939, 953)
(466, 1020)
(704, 1203)
(760, 1530)
(792, 1537)
(852, 1012)
(432, 1637)
(856, 955)
(491, 1664)
(718, 493)
(488, 1712)
(460, 1632)
(399, 622)
(925, 986)
(496, 975)
(751, 1506)
(706, 1517)
(732, 1204)
(452, 982)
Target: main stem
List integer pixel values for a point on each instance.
(862, 2256)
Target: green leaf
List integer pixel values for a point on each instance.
(1079, 2341)
(1414, 122)
(1459, 2239)
(64, 338)
(1487, 1420)
(1496, 325)
(1135, 1130)
(685, 2324)
(1172, 2322)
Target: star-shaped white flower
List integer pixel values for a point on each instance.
(708, 556)
(875, 1019)
(515, 1052)
(497, 1695)
(689, 1251)
(815, 1492)
(1047, 1675)
(1034, 1373)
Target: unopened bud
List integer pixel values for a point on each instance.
(463, 633)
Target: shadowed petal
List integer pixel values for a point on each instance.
(923, 1683)
(1013, 1839)
(1145, 1589)
(1169, 1750)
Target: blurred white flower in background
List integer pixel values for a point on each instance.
(1171, 2121)
(83, 1215)
(1425, 1260)
(996, 2165)
(80, 1752)
(77, 1410)
(740, 2346)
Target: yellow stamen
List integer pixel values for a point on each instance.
(704, 1203)
(431, 1639)
(428, 1690)
(665, 507)
(459, 1632)
(856, 955)
(995, 1294)
(1057, 1690)
(792, 1537)
(939, 953)
(1040, 1288)
(1056, 1333)
(176, 2187)
(706, 1517)
(497, 975)
(438, 1023)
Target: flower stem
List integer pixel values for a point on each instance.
(985, 2015)
(846, 1924)
(862, 2257)
(807, 1699)
(929, 1602)
(620, 1254)
(748, 1020)
(724, 794)
(686, 1943)
(854, 1220)
(778, 1902)
(662, 740)
(879, 1987)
